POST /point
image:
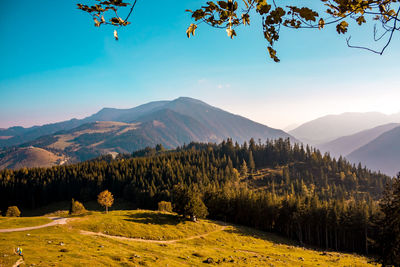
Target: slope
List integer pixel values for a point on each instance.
(220, 123)
(383, 153)
(31, 157)
(345, 145)
(330, 127)
(229, 245)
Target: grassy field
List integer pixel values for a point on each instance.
(143, 224)
(226, 246)
(14, 222)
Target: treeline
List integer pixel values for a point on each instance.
(307, 196)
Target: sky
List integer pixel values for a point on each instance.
(55, 65)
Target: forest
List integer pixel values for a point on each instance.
(274, 186)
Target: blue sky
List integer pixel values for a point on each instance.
(55, 65)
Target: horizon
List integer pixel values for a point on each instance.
(74, 69)
(290, 126)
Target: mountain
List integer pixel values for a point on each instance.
(30, 157)
(383, 153)
(18, 135)
(345, 145)
(330, 127)
(170, 123)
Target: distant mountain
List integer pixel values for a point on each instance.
(30, 157)
(291, 127)
(328, 128)
(171, 123)
(18, 135)
(345, 145)
(383, 153)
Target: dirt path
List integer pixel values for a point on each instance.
(152, 241)
(56, 221)
(18, 263)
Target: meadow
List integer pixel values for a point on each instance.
(151, 238)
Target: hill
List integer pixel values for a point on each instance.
(106, 137)
(330, 127)
(30, 157)
(383, 153)
(188, 244)
(345, 145)
(170, 123)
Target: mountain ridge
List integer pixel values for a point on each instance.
(170, 123)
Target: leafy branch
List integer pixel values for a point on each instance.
(230, 14)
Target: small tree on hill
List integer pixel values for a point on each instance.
(76, 208)
(13, 211)
(165, 206)
(243, 169)
(195, 208)
(105, 199)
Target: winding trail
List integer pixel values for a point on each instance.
(56, 221)
(152, 241)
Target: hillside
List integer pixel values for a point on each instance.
(93, 139)
(383, 153)
(188, 244)
(30, 157)
(170, 123)
(345, 145)
(285, 189)
(330, 127)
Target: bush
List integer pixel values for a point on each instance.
(13, 211)
(76, 208)
(165, 206)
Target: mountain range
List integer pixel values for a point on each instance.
(109, 131)
(331, 127)
(371, 138)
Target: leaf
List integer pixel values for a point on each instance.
(96, 22)
(191, 30)
(116, 35)
(231, 32)
(342, 27)
(321, 24)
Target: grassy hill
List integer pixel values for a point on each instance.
(31, 157)
(189, 244)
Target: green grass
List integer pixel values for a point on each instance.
(143, 224)
(18, 222)
(234, 246)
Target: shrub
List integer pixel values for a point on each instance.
(13, 211)
(165, 206)
(76, 208)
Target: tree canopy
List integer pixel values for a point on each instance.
(230, 14)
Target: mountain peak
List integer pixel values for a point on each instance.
(189, 100)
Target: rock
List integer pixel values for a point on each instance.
(61, 244)
(49, 242)
(28, 234)
(101, 246)
(209, 261)
(301, 259)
